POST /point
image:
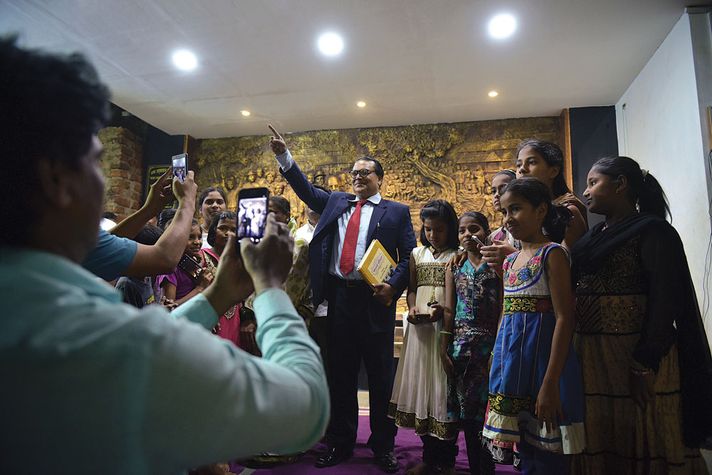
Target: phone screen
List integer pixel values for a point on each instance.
(477, 240)
(252, 217)
(180, 166)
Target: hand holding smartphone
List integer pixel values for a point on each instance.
(180, 166)
(252, 209)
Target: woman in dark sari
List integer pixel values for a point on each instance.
(646, 362)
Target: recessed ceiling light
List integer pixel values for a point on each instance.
(493, 93)
(361, 104)
(330, 44)
(502, 26)
(184, 60)
(245, 113)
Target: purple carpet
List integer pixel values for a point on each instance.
(408, 451)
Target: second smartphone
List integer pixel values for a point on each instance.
(252, 209)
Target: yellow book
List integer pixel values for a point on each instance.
(376, 265)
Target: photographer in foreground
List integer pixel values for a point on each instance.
(90, 384)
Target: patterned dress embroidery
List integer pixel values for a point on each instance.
(476, 314)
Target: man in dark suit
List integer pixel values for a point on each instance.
(361, 319)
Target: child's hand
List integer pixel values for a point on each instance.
(412, 312)
(548, 405)
(205, 279)
(495, 253)
(247, 338)
(448, 366)
(436, 312)
(457, 260)
(169, 304)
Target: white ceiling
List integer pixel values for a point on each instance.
(412, 61)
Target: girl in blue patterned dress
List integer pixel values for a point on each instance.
(536, 394)
(474, 291)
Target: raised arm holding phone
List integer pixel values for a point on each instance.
(114, 256)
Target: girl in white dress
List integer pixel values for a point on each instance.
(419, 399)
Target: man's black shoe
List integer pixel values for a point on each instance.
(387, 461)
(333, 456)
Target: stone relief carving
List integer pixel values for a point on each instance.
(421, 162)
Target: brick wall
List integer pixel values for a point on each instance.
(122, 164)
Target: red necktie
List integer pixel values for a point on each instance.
(348, 253)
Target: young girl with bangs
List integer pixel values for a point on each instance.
(545, 162)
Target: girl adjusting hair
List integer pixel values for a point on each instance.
(647, 369)
(545, 162)
(535, 393)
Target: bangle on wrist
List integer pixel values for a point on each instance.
(443, 332)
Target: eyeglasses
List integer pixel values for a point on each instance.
(363, 173)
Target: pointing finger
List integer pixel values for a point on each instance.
(274, 131)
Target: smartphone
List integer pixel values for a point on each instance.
(252, 209)
(180, 166)
(477, 240)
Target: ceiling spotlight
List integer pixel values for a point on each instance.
(502, 26)
(184, 60)
(330, 44)
(361, 104)
(245, 113)
(493, 93)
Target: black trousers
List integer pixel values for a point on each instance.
(351, 341)
(318, 330)
(439, 453)
(479, 457)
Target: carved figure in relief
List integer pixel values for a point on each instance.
(480, 184)
(332, 183)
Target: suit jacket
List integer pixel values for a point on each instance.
(390, 224)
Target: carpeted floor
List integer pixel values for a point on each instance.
(408, 451)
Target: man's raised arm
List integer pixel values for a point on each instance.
(315, 198)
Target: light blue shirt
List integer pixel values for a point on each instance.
(91, 385)
(285, 162)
